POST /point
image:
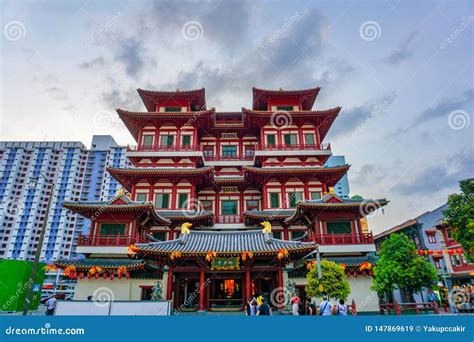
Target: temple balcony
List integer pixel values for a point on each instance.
(229, 222)
(163, 151)
(263, 150)
(352, 242)
(225, 159)
(88, 244)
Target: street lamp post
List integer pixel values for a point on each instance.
(31, 281)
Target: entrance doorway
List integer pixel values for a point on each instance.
(187, 294)
(226, 293)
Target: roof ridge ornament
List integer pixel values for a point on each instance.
(267, 230)
(185, 232)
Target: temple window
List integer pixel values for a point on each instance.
(182, 201)
(297, 235)
(252, 205)
(172, 109)
(159, 235)
(290, 139)
(342, 227)
(309, 139)
(207, 205)
(455, 260)
(112, 228)
(437, 263)
(229, 151)
(315, 195)
(167, 140)
(285, 108)
(186, 140)
(229, 207)
(147, 140)
(208, 151)
(274, 200)
(277, 235)
(162, 201)
(293, 198)
(270, 139)
(141, 197)
(146, 292)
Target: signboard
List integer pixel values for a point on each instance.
(225, 264)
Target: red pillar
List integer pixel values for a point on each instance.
(280, 284)
(169, 290)
(202, 288)
(248, 285)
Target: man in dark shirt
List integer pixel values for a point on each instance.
(263, 309)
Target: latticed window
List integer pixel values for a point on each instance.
(271, 139)
(162, 201)
(186, 140)
(147, 140)
(315, 195)
(167, 140)
(112, 229)
(293, 198)
(274, 200)
(285, 108)
(309, 139)
(172, 109)
(229, 151)
(141, 197)
(290, 139)
(182, 199)
(338, 227)
(229, 207)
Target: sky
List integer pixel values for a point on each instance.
(401, 71)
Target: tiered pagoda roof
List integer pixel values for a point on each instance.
(128, 177)
(225, 243)
(120, 204)
(106, 264)
(196, 98)
(305, 96)
(330, 202)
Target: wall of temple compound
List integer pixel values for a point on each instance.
(118, 289)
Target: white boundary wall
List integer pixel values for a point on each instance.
(118, 308)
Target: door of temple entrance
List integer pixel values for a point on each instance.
(187, 294)
(226, 293)
(263, 285)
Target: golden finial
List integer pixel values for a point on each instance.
(120, 192)
(267, 227)
(331, 190)
(185, 228)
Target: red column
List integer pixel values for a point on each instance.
(169, 290)
(280, 284)
(202, 288)
(248, 285)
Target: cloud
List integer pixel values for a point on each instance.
(354, 120)
(404, 51)
(367, 175)
(96, 62)
(441, 176)
(130, 54)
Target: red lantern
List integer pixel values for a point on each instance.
(421, 252)
(96, 276)
(460, 251)
(81, 275)
(127, 275)
(119, 275)
(440, 252)
(450, 251)
(104, 275)
(430, 251)
(89, 275)
(112, 276)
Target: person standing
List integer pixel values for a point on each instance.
(51, 305)
(341, 309)
(325, 308)
(295, 302)
(263, 309)
(310, 307)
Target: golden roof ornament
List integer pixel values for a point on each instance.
(331, 190)
(185, 228)
(267, 227)
(120, 192)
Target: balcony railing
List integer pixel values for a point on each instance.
(229, 219)
(285, 147)
(109, 240)
(222, 157)
(342, 239)
(162, 148)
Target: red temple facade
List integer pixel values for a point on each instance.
(220, 206)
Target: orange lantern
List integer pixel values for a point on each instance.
(70, 271)
(210, 255)
(121, 270)
(282, 253)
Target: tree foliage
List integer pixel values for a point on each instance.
(460, 216)
(400, 267)
(335, 284)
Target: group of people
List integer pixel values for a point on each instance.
(326, 308)
(258, 306)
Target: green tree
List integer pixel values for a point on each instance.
(400, 267)
(460, 216)
(334, 282)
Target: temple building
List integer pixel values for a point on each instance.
(220, 206)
